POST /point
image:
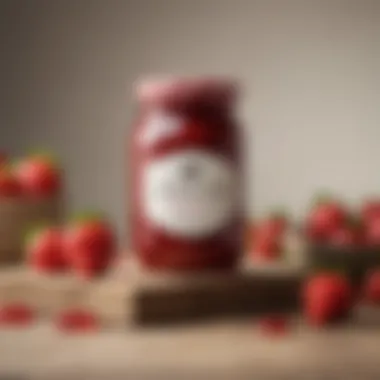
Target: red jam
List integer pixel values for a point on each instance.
(77, 320)
(186, 176)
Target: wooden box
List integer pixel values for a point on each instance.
(354, 262)
(17, 216)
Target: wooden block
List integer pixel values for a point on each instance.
(172, 298)
(19, 215)
(55, 293)
(16, 285)
(110, 299)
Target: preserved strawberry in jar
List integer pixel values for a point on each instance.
(187, 199)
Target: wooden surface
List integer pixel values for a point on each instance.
(131, 295)
(218, 351)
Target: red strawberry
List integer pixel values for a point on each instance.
(266, 247)
(325, 218)
(9, 184)
(39, 176)
(327, 298)
(372, 233)
(89, 245)
(371, 210)
(372, 286)
(44, 248)
(348, 236)
(16, 315)
(275, 224)
(77, 320)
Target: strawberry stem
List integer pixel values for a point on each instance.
(45, 156)
(323, 197)
(279, 213)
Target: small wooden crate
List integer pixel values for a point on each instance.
(354, 262)
(17, 216)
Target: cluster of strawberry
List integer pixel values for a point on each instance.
(332, 223)
(37, 175)
(70, 320)
(329, 222)
(85, 246)
(266, 239)
(329, 297)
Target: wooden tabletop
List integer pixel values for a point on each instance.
(223, 350)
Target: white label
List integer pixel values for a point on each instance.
(190, 194)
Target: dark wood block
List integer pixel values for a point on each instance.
(169, 299)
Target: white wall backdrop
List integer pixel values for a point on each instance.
(311, 71)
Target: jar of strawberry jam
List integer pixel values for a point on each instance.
(186, 204)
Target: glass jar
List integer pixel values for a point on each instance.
(187, 201)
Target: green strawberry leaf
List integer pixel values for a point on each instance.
(32, 232)
(87, 216)
(8, 168)
(323, 197)
(45, 156)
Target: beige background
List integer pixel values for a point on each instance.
(311, 70)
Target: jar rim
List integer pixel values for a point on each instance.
(184, 90)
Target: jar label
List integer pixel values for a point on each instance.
(191, 194)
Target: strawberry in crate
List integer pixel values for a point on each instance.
(39, 175)
(89, 244)
(349, 236)
(326, 216)
(269, 236)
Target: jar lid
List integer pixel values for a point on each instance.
(182, 91)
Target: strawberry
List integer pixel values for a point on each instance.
(275, 224)
(77, 320)
(372, 286)
(16, 315)
(350, 235)
(44, 248)
(326, 216)
(89, 244)
(371, 210)
(372, 232)
(9, 184)
(39, 175)
(327, 298)
(266, 247)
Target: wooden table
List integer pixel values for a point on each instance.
(224, 350)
